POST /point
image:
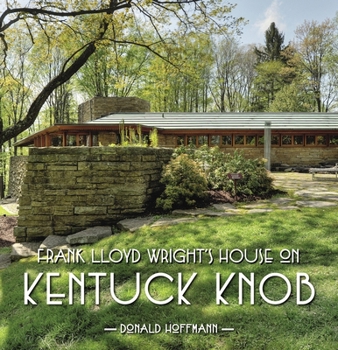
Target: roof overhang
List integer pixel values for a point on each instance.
(179, 123)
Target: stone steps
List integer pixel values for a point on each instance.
(57, 243)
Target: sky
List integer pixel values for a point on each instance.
(287, 14)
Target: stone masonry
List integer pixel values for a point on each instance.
(66, 190)
(16, 174)
(99, 106)
(293, 156)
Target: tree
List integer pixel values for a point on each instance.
(233, 75)
(268, 82)
(274, 45)
(113, 70)
(87, 23)
(315, 45)
(275, 69)
(291, 98)
(184, 89)
(16, 82)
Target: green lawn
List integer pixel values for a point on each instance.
(259, 326)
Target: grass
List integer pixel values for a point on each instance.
(5, 212)
(258, 326)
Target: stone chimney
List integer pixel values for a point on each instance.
(100, 106)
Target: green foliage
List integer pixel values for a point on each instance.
(292, 98)
(217, 165)
(274, 45)
(185, 183)
(153, 137)
(131, 137)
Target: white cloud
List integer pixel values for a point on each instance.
(272, 14)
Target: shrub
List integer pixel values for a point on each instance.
(217, 164)
(185, 183)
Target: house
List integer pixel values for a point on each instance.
(296, 138)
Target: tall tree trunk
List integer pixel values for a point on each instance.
(42, 97)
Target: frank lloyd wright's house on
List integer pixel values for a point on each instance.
(296, 138)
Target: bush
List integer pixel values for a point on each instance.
(217, 165)
(185, 183)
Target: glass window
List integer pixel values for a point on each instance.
(82, 140)
(71, 140)
(56, 141)
(203, 140)
(239, 140)
(180, 140)
(333, 140)
(298, 140)
(310, 139)
(260, 140)
(275, 140)
(251, 140)
(321, 139)
(286, 140)
(215, 140)
(192, 140)
(226, 140)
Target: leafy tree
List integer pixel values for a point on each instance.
(116, 69)
(291, 98)
(16, 83)
(268, 82)
(233, 75)
(315, 45)
(87, 24)
(277, 67)
(183, 83)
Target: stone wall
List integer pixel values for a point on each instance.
(99, 106)
(304, 155)
(66, 190)
(167, 140)
(17, 171)
(293, 156)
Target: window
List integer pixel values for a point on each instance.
(250, 140)
(298, 140)
(295, 140)
(203, 140)
(310, 140)
(70, 140)
(239, 140)
(245, 140)
(226, 140)
(333, 141)
(286, 140)
(275, 140)
(56, 141)
(321, 140)
(180, 140)
(315, 140)
(82, 140)
(260, 141)
(215, 139)
(191, 140)
(236, 140)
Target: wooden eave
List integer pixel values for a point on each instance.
(73, 129)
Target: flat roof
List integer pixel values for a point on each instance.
(234, 121)
(196, 122)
